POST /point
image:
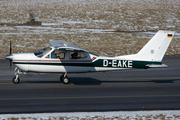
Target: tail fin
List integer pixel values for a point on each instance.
(155, 49)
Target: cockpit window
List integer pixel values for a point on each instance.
(42, 52)
(58, 54)
(76, 55)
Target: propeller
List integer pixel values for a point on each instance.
(10, 56)
(10, 48)
(10, 53)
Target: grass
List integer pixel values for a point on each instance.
(119, 15)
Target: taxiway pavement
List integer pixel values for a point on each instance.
(140, 89)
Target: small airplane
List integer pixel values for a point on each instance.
(63, 57)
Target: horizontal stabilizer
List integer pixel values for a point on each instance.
(156, 66)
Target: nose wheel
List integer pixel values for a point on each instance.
(64, 79)
(16, 79)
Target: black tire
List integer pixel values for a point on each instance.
(16, 81)
(61, 78)
(65, 80)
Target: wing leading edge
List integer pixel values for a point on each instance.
(67, 46)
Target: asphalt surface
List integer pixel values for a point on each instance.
(140, 89)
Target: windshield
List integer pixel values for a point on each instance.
(42, 52)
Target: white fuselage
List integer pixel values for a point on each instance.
(30, 63)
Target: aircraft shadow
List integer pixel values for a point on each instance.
(85, 81)
(73, 80)
(92, 81)
(39, 81)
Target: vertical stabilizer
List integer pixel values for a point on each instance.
(155, 49)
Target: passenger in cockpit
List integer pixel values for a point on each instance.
(74, 55)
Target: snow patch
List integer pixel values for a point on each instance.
(170, 114)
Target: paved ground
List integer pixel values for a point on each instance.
(151, 89)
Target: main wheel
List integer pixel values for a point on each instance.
(65, 80)
(16, 81)
(61, 78)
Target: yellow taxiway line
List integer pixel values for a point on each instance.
(88, 97)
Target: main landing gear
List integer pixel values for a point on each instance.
(64, 79)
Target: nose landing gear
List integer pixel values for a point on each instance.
(16, 79)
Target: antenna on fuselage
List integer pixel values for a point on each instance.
(68, 41)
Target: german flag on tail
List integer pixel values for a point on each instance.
(169, 35)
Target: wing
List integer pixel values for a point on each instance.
(66, 46)
(62, 44)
